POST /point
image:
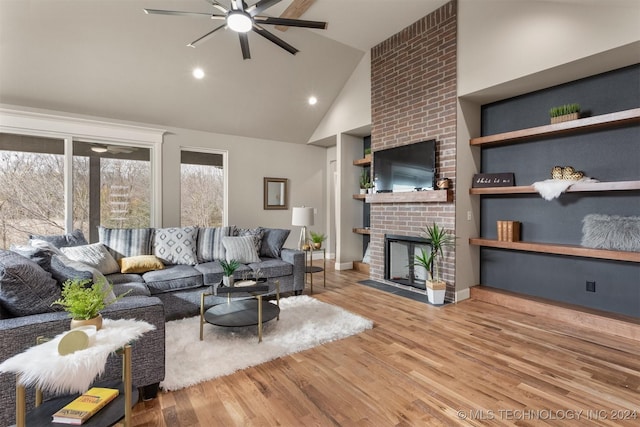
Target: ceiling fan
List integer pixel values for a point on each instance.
(242, 18)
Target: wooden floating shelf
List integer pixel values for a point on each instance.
(575, 188)
(553, 248)
(588, 123)
(428, 196)
(359, 196)
(362, 231)
(366, 161)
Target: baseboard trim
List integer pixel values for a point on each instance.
(344, 265)
(462, 295)
(601, 321)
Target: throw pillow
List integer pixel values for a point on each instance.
(140, 264)
(125, 242)
(25, 288)
(64, 268)
(40, 256)
(176, 245)
(257, 234)
(273, 241)
(94, 255)
(241, 249)
(61, 240)
(210, 247)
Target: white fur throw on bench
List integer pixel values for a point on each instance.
(611, 232)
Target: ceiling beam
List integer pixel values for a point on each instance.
(294, 11)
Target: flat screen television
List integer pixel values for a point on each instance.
(405, 168)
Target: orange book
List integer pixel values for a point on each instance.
(85, 406)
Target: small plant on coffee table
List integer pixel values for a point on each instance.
(228, 268)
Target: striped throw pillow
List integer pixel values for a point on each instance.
(210, 247)
(242, 249)
(126, 242)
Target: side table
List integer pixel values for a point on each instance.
(310, 269)
(74, 372)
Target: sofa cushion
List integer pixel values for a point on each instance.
(270, 267)
(117, 278)
(25, 287)
(176, 245)
(272, 242)
(94, 255)
(63, 269)
(125, 242)
(133, 289)
(257, 234)
(241, 249)
(173, 277)
(41, 256)
(211, 272)
(75, 238)
(210, 247)
(140, 264)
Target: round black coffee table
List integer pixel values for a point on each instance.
(246, 309)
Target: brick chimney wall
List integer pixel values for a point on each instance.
(413, 98)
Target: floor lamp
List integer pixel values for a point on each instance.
(303, 217)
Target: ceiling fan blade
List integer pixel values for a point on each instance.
(217, 5)
(244, 45)
(174, 13)
(275, 39)
(206, 36)
(294, 11)
(260, 6)
(291, 22)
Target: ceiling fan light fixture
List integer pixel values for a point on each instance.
(99, 149)
(239, 21)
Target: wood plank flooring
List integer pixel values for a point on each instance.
(471, 363)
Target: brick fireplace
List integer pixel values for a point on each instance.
(413, 98)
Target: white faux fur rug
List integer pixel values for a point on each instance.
(304, 322)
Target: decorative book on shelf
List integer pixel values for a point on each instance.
(508, 231)
(85, 406)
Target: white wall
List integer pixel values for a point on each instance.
(505, 40)
(250, 160)
(352, 108)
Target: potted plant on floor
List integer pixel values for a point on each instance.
(317, 239)
(228, 268)
(440, 239)
(84, 301)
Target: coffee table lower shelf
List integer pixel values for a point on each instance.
(240, 313)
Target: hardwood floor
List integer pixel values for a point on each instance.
(471, 363)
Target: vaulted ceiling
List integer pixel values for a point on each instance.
(106, 58)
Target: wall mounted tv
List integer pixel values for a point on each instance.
(405, 168)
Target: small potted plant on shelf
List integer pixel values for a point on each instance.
(367, 153)
(365, 181)
(317, 239)
(564, 113)
(84, 300)
(440, 239)
(228, 268)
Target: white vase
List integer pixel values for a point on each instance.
(228, 280)
(363, 191)
(436, 292)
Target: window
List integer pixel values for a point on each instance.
(202, 188)
(31, 187)
(111, 187)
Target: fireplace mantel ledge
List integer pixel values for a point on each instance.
(429, 196)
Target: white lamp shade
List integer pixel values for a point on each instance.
(302, 216)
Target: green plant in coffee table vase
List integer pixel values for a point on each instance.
(84, 300)
(317, 239)
(228, 268)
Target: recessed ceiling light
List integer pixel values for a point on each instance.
(313, 100)
(198, 73)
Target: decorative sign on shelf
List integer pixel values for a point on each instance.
(481, 180)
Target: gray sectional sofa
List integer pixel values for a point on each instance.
(163, 270)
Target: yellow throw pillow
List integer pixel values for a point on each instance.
(140, 264)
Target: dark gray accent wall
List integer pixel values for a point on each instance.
(608, 155)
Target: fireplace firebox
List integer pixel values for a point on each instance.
(399, 254)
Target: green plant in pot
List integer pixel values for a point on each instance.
(317, 239)
(431, 262)
(228, 268)
(365, 181)
(84, 300)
